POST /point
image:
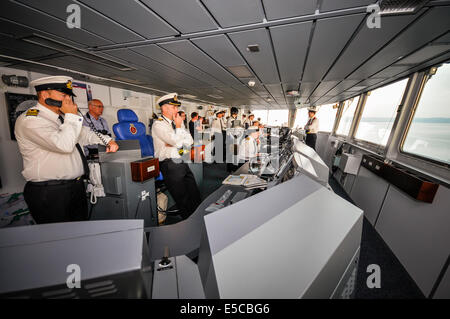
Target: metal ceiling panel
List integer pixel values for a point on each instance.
(323, 100)
(331, 5)
(366, 43)
(262, 62)
(275, 90)
(220, 48)
(14, 30)
(156, 69)
(231, 13)
(162, 56)
(190, 53)
(342, 86)
(291, 43)
(33, 19)
(324, 87)
(432, 24)
(390, 72)
(425, 53)
(280, 100)
(80, 65)
(444, 39)
(24, 49)
(186, 16)
(370, 82)
(143, 21)
(245, 91)
(90, 20)
(278, 9)
(231, 94)
(330, 37)
(306, 88)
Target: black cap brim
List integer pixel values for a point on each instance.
(55, 86)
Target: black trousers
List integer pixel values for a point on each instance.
(50, 203)
(311, 140)
(182, 187)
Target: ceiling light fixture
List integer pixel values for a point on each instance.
(293, 93)
(251, 83)
(395, 7)
(218, 97)
(253, 48)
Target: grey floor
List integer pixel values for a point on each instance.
(395, 281)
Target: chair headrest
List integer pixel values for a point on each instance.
(125, 115)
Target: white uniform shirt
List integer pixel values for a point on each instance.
(312, 125)
(48, 147)
(163, 133)
(217, 125)
(248, 148)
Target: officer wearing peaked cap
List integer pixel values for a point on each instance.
(311, 128)
(170, 141)
(49, 137)
(249, 147)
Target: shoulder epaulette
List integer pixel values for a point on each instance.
(32, 112)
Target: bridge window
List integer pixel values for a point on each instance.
(301, 118)
(326, 115)
(347, 116)
(379, 113)
(262, 114)
(428, 135)
(278, 117)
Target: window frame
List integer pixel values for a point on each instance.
(375, 147)
(424, 80)
(355, 115)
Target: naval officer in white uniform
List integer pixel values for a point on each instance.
(49, 137)
(171, 141)
(249, 146)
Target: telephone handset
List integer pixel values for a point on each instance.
(53, 102)
(56, 103)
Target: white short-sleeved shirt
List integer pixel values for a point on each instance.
(163, 133)
(48, 147)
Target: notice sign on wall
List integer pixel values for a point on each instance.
(17, 104)
(83, 94)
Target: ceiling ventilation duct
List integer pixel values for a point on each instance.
(74, 51)
(394, 7)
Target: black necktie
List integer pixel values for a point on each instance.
(173, 126)
(83, 158)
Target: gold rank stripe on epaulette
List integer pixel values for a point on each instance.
(247, 138)
(32, 112)
(160, 119)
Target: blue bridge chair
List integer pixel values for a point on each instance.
(129, 128)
